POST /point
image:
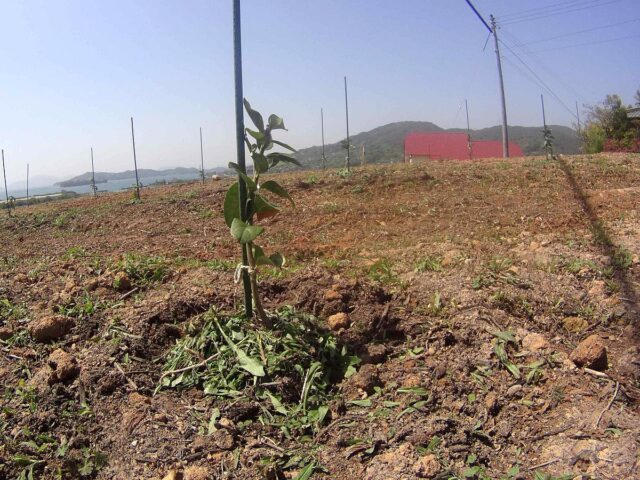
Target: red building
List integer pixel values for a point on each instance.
(453, 146)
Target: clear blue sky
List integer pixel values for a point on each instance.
(73, 72)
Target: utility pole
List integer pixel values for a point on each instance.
(6, 191)
(27, 184)
(201, 157)
(546, 132)
(242, 187)
(324, 159)
(505, 129)
(346, 106)
(135, 161)
(494, 31)
(364, 161)
(94, 187)
(469, 147)
(578, 117)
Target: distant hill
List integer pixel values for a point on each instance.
(103, 177)
(385, 144)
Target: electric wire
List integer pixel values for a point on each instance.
(557, 12)
(543, 8)
(597, 42)
(602, 27)
(526, 51)
(542, 82)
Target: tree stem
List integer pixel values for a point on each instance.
(253, 274)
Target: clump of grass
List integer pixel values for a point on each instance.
(289, 369)
(429, 264)
(382, 272)
(622, 258)
(143, 269)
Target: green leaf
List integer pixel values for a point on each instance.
(259, 136)
(360, 403)
(251, 185)
(276, 122)
(251, 365)
(277, 259)
(260, 162)
(306, 472)
(264, 208)
(275, 187)
(276, 157)
(244, 232)
(506, 336)
(283, 145)
(255, 116)
(215, 414)
(277, 404)
(231, 204)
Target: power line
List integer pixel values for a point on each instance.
(579, 32)
(544, 8)
(557, 12)
(597, 42)
(542, 82)
(536, 59)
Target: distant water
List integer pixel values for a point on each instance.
(112, 186)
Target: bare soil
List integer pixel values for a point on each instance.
(431, 263)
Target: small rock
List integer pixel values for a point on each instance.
(21, 278)
(5, 333)
(450, 258)
(366, 378)
(338, 321)
(223, 439)
(197, 473)
(598, 289)
(332, 295)
(591, 353)
(534, 342)
(427, 466)
(533, 246)
(64, 366)
(440, 371)
(514, 390)
(50, 328)
(121, 281)
(575, 324)
(412, 380)
(375, 353)
(491, 402)
(171, 475)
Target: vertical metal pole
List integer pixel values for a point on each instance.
(135, 161)
(469, 146)
(544, 118)
(27, 184)
(578, 117)
(201, 157)
(505, 132)
(324, 159)
(6, 191)
(346, 106)
(93, 176)
(237, 64)
(364, 161)
(4, 173)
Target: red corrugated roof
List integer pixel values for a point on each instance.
(447, 145)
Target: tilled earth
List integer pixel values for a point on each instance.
(494, 306)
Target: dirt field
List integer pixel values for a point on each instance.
(474, 294)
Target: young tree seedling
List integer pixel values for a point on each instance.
(257, 206)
